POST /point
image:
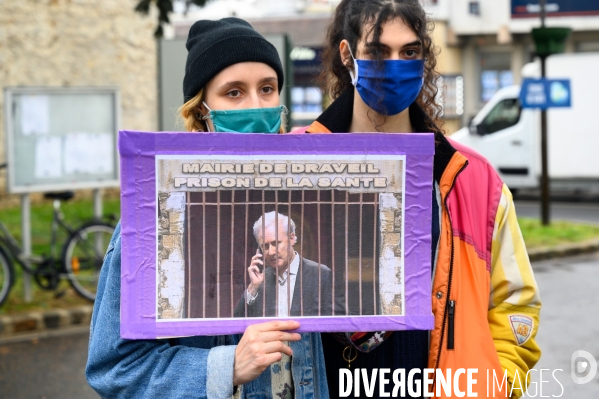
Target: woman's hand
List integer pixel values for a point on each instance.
(261, 346)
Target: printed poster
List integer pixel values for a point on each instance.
(226, 230)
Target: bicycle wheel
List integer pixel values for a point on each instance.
(83, 255)
(7, 276)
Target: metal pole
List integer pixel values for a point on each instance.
(545, 217)
(97, 204)
(26, 233)
(542, 12)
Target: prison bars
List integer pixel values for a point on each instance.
(345, 203)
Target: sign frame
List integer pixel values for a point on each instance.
(9, 96)
(566, 8)
(139, 192)
(546, 93)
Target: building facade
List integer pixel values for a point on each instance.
(489, 41)
(305, 23)
(73, 43)
(482, 44)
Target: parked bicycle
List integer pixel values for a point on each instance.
(79, 262)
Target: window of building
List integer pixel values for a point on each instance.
(306, 97)
(474, 8)
(587, 47)
(451, 95)
(495, 74)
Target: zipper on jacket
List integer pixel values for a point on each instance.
(445, 314)
(450, 324)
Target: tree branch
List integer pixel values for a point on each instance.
(165, 8)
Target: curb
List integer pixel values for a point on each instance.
(55, 319)
(564, 250)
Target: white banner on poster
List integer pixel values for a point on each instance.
(35, 114)
(88, 153)
(48, 157)
(101, 161)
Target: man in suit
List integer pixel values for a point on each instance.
(282, 283)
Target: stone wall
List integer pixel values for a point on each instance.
(391, 261)
(80, 43)
(171, 255)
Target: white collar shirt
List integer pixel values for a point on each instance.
(286, 287)
(284, 291)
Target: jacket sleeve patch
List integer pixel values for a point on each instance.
(522, 327)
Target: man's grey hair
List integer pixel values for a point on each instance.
(269, 219)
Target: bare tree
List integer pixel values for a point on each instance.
(165, 7)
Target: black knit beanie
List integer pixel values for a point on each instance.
(214, 45)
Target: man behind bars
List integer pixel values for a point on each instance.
(290, 279)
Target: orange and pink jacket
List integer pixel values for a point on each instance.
(484, 296)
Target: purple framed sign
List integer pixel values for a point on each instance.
(220, 231)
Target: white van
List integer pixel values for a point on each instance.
(509, 136)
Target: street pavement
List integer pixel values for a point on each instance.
(573, 211)
(569, 322)
(46, 368)
(54, 367)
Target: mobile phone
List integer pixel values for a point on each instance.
(261, 267)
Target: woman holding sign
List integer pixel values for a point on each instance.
(379, 67)
(232, 83)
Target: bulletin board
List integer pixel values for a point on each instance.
(61, 138)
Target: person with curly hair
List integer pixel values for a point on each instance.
(379, 69)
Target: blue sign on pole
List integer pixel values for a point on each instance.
(545, 93)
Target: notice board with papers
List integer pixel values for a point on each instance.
(61, 138)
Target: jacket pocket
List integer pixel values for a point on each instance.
(450, 325)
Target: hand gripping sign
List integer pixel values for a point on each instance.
(220, 231)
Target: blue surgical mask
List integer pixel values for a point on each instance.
(388, 86)
(248, 120)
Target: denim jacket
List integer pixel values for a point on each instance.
(193, 367)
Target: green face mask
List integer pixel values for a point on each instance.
(249, 120)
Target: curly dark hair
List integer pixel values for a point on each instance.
(349, 22)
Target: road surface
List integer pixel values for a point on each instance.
(572, 211)
(53, 368)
